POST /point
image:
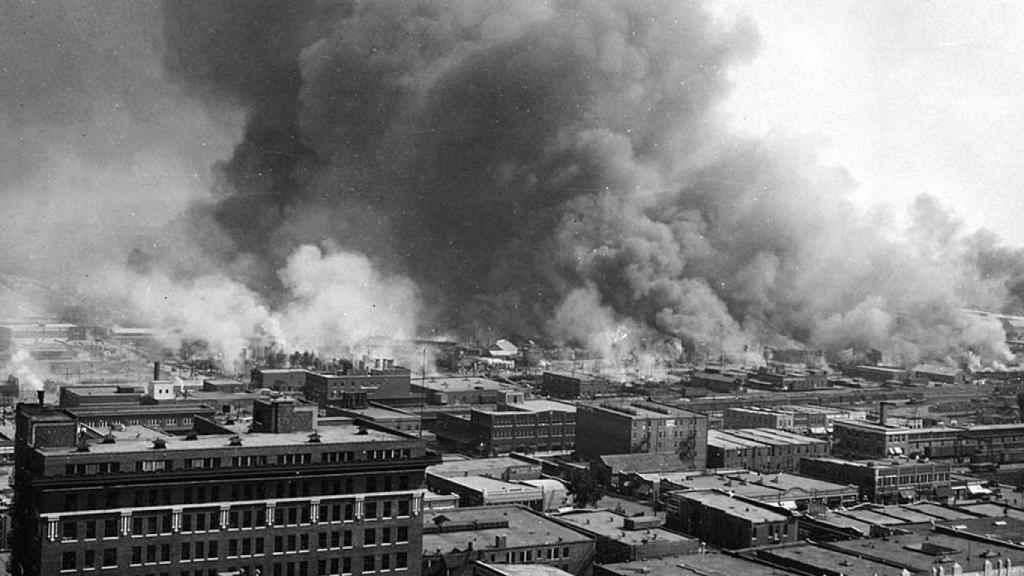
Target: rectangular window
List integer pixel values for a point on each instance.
(70, 561)
(109, 557)
(369, 536)
(369, 563)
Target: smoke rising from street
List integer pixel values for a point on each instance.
(536, 169)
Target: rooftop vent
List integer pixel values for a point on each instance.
(109, 439)
(191, 435)
(82, 446)
(235, 440)
(314, 438)
(159, 443)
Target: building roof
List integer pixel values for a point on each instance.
(938, 370)
(638, 409)
(718, 501)
(496, 465)
(505, 346)
(135, 439)
(709, 564)
(612, 526)
(644, 462)
(922, 548)
(830, 560)
(525, 529)
(524, 569)
(464, 384)
(489, 486)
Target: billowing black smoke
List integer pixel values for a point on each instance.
(559, 168)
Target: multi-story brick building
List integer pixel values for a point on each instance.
(282, 498)
(624, 427)
(525, 426)
(286, 380)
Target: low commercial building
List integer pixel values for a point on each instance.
(729, 522)
(171, 417)
(615, 470)
(506, 468)
(572, 386)
(226, 385)
(462, 390)
(74, 396)
(483, 491)
(757, 418)
(761, 449)
(857, 439)
(622, 539)
(625, 427)
(455, 539)
(884, 481)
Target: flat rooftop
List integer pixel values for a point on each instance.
(488, 486)
(709, 564)
(829, 560)
(376, 412)
(525, 528)
(611, 526)
(461, 467)
(640, 409)
(138, 439)
(466, 384)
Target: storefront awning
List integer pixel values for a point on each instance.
(977, 489)
(787, 504)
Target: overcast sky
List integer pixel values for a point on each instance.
(911, 96)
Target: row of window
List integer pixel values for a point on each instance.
(142, 556)
(290, 459)
(256, 517)
(197, 494)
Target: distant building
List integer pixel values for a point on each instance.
(571, 386)
(930, 373)
(884, 481)
(761, 449)
(781, 489)
(722, 520)
(720, 382)
(623, 427)
(74, 396)
(225, 385)
(455, 539)
(613, 469)
(879, 374)
(503, 349)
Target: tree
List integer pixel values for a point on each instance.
(584, 487)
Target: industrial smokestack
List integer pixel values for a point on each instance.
(156, 371)
(41, 394)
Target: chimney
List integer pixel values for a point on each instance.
(881, 413)
(156, 371)
(41, 394)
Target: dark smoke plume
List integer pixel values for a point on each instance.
(559, 168)
(536, 168)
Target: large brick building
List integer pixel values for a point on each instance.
(523, 426)
(625, 427)
(375, 384)
(570, 385)
(282, 498)
(761, 449)
(722, 520)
